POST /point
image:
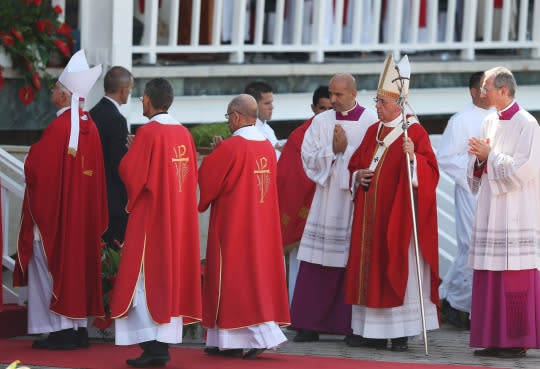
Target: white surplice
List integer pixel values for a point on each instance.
(269, 133)
(506, 228)
(327, 234)
(452, 156)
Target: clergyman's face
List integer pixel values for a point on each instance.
(342, 98)
(265, 106)
(387, 108)
(322, 105)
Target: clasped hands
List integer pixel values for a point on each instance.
(479, 148)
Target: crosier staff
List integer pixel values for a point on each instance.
(404, 74)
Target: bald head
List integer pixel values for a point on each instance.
(242, 111)
(345, 80)
(342, 91)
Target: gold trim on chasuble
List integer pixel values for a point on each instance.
(368, 223)
(263, 176)
(86, 172)
(181, 163)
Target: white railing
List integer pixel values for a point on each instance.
(11, 189)
(316, 27)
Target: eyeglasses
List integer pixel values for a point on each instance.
(376, 100)
(485, 90)
(228, 115)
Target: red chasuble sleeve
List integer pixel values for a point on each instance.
(376, 275)
(295, 189)
(162, 235)
(244, 282)
(65, 197)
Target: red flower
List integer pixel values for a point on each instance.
(7, 40)
(64, 29)
(40, 25)
(102, 323)
(49, 26)
(27, 95)
(63, 48)
(1, 79)
(17, 34)
(36, 81)
(28, 66)
(58, 9)
(37, 2)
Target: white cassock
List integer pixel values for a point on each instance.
(266, 335)
(404, 320)
(506, 228)
(268, 132)
(452, 157)
(327, 234)
(40, 318)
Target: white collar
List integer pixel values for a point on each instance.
(508, 107)
(113, 101)
(59, 112)
(164, 118)
(250, 133)
(345, 113)
(397, 120)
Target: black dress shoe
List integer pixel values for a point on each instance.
(59, 340)
(146, 360)
(306, 335)
(253, 353)
(400, 344)
(490, 351)
(359, 341)
(215, 351)
(82, 338)
(512, 353)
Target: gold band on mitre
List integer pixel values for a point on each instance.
(390, 82)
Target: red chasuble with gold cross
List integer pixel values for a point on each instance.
(244, 283)
(66, 198)
(162, 234)
(377, 270)
(295, 189)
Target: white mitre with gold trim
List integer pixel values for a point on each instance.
(78, 78)
(394, 78)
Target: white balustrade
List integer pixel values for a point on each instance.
(317, 27)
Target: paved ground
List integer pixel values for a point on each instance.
(446, 346)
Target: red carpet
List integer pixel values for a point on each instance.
(13, 320)
(105, 356)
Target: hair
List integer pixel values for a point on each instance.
(160, 93)
(244, 104)
(64, 88)
(257, 88)
(474, 81)
(116, 78)
(503, 78)
(320, 93)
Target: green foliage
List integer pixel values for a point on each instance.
(203, 133)
(29, 32)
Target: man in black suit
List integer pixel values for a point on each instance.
(113, 131)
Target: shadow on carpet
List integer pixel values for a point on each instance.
(103, 356)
